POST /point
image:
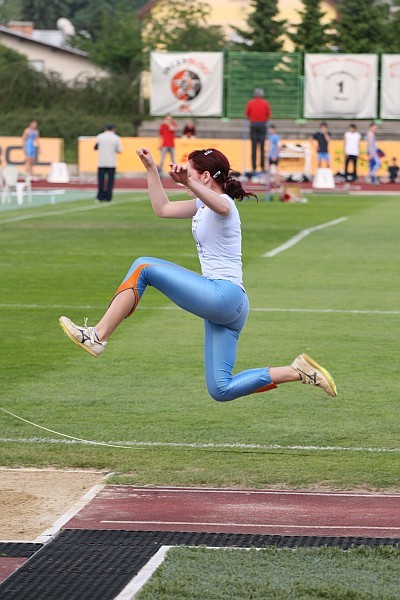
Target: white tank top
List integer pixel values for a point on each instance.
(219, 242)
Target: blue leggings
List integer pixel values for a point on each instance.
(373, 164)
(223, 305)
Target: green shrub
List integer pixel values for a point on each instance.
(66, 124)
(65, 111)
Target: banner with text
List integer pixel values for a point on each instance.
(390, 86)
(239, 152)
(12, 153)
(186, 83)
(340, 85)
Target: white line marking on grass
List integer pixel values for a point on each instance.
(173, 307)
(301, 235)
(52, 213)
(85, 253)
(142, 577)
(196, 446)
(55, 213)
(71, 437)
(329, 310)
(253, 525)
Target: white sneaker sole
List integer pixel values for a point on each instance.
(71, 337)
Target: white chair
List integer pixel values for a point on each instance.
(9, 176)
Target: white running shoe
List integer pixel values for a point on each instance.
(311, 372)
(85, 337)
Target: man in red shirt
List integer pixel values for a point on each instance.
(258, 111)
(167, 140)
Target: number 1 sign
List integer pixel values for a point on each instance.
(340, 86)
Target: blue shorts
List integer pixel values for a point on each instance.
(323, 156)
(31, 152)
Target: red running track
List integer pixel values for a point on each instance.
(241, 511)
(140, 183)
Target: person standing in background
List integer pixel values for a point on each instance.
(189, 130)
(374, 161)
(167, 140)
(273, 154)
(108, 144)
(393, 171)
(30, 142)
(351, 151)
(258, 111)
(322, 139)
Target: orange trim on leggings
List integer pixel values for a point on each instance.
(130, 284)
(270, 386)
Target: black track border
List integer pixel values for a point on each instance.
(97, 564)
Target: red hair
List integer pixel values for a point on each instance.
(218, 166)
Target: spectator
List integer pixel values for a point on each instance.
(258, 112)
(167, 140)
(374, 161)
(351, 151)
(30, 142)
(393, 171)
(108, 144)
(189, 129)
(273, 154)
(322, 139)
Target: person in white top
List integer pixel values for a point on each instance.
(217, 295)
(108, 144)
(351, 151)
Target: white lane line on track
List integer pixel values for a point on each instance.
(180, 490)
(197, 446)
(173, 307)
(253, 525)
(301, 235)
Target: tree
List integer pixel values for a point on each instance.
(10, 57)
(265, 32)
(362, 26)
(311, 34)
(393, 38)
(10, 10)
(84, 14)
(182, 26)
(116, 44)
(43, 13)
(89, 16)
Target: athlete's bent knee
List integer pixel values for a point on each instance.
(221, 393)
(142, 260)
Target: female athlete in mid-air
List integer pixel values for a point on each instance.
(217, 296)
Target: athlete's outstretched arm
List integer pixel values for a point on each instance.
(160, 202)
(211, 197)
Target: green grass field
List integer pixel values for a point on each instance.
(334, 295)
(279, 574)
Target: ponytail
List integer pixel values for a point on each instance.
(234, 189)
(216, 163)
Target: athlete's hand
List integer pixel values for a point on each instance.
(178, 173)
(146, 157)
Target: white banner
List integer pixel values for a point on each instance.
(186, 83)
(390, 86)
(340, 85)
